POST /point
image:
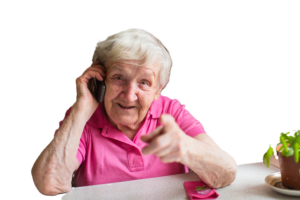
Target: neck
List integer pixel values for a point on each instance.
(130, 131)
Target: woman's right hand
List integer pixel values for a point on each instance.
(85, 99)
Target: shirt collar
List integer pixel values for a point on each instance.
(155, 109)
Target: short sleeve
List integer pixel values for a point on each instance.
(185, 120)
(83, 140)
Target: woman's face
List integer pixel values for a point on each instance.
(130, 91)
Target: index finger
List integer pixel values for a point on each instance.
(98, 65)
(152, 135)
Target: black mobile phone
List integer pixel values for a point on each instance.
(97, 89)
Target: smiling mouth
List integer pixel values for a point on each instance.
(125, 107)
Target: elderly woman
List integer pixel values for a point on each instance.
(135, 133)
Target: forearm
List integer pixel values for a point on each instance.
(213, 165)
(52, 171)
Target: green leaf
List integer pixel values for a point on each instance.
(287, 133)
(283, 143)
(290, 139)
(297, 139)
(297, 133)
(288, 152)
(294, 141)
(201, 188)
(296, 147)
(267, 156)
(197, 188)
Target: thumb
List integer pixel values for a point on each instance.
(167, 121)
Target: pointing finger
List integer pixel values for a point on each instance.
(147, 138)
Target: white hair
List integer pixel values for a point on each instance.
(137, 45)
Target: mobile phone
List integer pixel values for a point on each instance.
(97, 89)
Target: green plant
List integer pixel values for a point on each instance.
(289, 147)
(201, 188)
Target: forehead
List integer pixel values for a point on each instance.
(132, 67)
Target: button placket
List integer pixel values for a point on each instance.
(135, 159)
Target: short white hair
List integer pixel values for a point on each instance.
(137, 45)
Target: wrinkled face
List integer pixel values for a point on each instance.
(130, 91)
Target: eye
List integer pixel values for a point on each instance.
(118, 78)
(145, 83)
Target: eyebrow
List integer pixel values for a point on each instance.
(116, 67)
(148, 71)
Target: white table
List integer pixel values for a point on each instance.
(249, 184)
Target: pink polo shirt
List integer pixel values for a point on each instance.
(106, 155)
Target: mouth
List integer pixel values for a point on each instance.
(126, 107)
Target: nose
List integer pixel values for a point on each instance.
(129, 93)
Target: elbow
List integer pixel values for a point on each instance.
(40, 184)
(231, 175)
(48, 186)
(37, 178)
(50, 189)
(232, 171)
(47, 190)
(228, 177)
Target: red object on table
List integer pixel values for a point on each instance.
(199, 190)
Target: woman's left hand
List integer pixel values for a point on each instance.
(168, 142)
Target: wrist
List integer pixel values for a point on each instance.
(83, 110)
(77, 117)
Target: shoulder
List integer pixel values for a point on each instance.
(166, 101)
(165, 105)
(86, 127)
(171, 105)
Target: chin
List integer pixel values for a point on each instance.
(125, 120)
